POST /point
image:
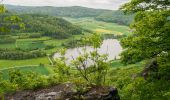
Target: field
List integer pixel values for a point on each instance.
(15, 63)
(38, 69)
(99, 26)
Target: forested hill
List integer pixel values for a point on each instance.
(116, 16)
(45, 25)
(74, 11)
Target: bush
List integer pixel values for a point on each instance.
(20, 55)
(35, 35)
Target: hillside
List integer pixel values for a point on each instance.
(45, 25)
(116, 16)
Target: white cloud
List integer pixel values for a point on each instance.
(104, 4)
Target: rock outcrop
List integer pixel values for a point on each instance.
(151, 67)
(66, 92)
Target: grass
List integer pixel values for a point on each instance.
(116, 64)
(28, 44)
(14, 63)
(119, 64)
(38, 69)
(8, 46)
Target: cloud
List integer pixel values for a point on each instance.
(104, 4)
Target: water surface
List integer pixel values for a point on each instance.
(111, 47)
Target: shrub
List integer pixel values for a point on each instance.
(35, 35)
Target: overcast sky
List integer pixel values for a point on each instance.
(104, 4)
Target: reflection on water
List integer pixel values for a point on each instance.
(111, 47)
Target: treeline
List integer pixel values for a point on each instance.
(116, 17)
(7, 39)
(7, 54)
(48, 26)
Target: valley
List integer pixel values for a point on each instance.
(83, 53)
(43, 42)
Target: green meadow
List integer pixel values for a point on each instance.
(42, 70)
(100, 26)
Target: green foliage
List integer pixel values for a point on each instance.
(132, 86)
(2, 9)
(144, 5)
(20, 55)
(6, 86)
(27, 80)
(48, 26)
(62, 69)
(150, 39)
(140, 89)
(10, 23)
(150, 34)
(92, 66)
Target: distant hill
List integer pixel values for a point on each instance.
(116, 16)
(75, 11)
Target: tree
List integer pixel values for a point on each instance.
(92, 66)
(150, 40)
(151, 28)
(8, 23)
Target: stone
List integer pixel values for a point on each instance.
(150, 67)
(67, 92)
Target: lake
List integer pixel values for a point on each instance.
(111, 47)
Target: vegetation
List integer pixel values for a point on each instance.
(142, 73)
(75, 11)
(151, 28)
(7, 39)
(93, 26)
(116, 17)
(19, 55)
(94, 72)
(150, 40)
(15, 63)
(48, 26)
(40, 69)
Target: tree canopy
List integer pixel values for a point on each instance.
(151, 29)
(150, 38)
